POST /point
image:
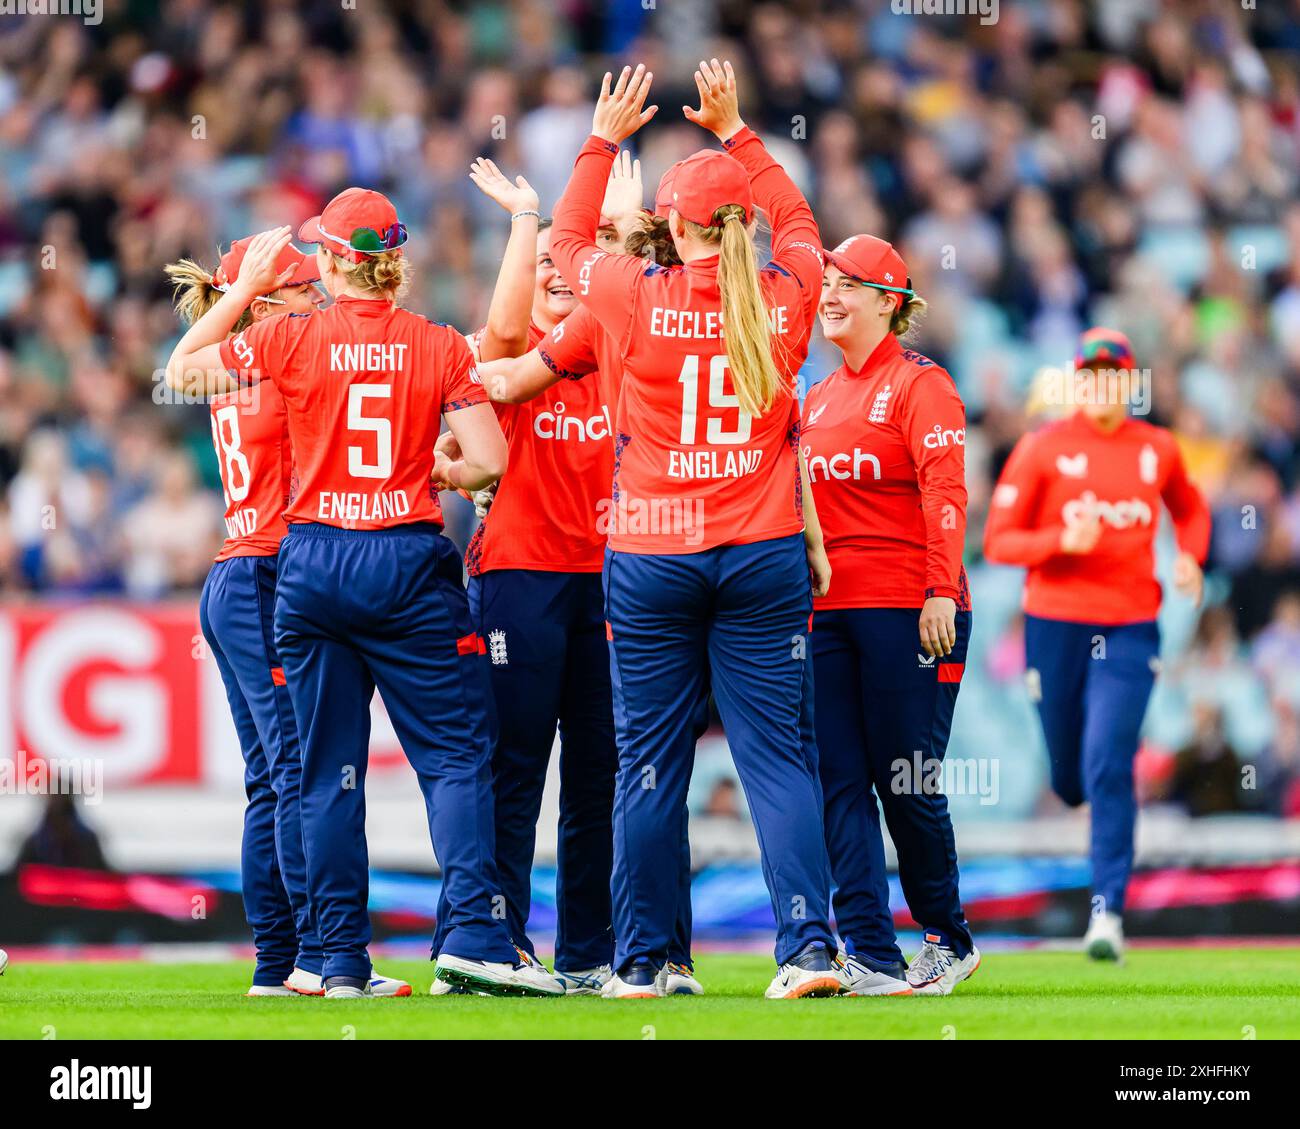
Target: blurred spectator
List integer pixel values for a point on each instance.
(1207, 776)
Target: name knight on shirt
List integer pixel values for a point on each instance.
(371, 357)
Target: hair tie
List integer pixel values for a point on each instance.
(731, 216)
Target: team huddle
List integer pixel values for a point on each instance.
(662, 524)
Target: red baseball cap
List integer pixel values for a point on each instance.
(228, 269)
(1101, 344)
(664, 193)
(872, 261)
(357, 223)
(704, 182)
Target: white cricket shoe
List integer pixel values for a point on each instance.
(4, 961)
(678, 980)
(937, 969)
(588, 982)
(1105, 937)
(640, 983)
(812, 973)
(347, 988)
(306, 983)
(862, 979)
(489, 978)
(269, 990)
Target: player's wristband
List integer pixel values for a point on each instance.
(526, 212)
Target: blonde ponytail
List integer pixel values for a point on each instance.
(744, 314)
(196, 293)
(386, 273)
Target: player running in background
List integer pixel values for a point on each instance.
(535, 598)
(884, 439)
(707, 566)
(369, 590)
(576, 348)
(250, 435)
(1078, 505)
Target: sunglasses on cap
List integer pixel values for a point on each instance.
(368, 241)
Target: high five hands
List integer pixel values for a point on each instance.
(719, 110)
(619, 112)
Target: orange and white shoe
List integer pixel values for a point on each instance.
(812, 973)
(306, 983)
(640, 982)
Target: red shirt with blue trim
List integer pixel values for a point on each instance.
(1059, 474)
(365, 384)
(250, 433)
(885, 449)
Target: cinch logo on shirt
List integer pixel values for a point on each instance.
(372, 357)
(842, 466)
(557, 425)
(1123, 514)
(943, 437)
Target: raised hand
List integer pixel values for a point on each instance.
(493, 183)
(257, 273)
(624, 194)
(619, 112)
(719, 110)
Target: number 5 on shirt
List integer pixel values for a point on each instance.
(382, 428)
(718, 398)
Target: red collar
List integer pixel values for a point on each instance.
(886, 351)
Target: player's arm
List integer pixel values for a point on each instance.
(796, 240)
(1012, 533)
(568, 352)
(819, 563)
(480, 451)
(603, 282)
(934, 420)
(1191, 514)
(506, 332)
(196, 365)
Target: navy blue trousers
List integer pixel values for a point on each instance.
(235, 615)
(878, 704)
(1092, 684)
(549, 663)
(735, 617)
(356, 610)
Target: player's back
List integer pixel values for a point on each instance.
(365, 383)
(683, 438)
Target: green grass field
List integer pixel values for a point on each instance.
(1158, 994)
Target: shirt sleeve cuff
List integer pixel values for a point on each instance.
(949, 591)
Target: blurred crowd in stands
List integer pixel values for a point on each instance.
(1125, 162)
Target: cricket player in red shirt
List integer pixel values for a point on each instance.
(707, 567)
(575, 348)
(884, 439)
(535, 598)
(369, 591)
(1078, 505)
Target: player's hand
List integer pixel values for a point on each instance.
(619, 112)
(1081, 537)
(494, 184)
(819, 565)
(719, 110)
(624, 193)
(257, 273)
(448, 445)
(938, 625)
(441, 475)
(1188, 577)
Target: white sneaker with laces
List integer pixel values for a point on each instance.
(863, 980)
(527, 978)
(678, 980)
(812, 973)
(306, 983)
(937, 969)
(587, 982)
(1105, 937)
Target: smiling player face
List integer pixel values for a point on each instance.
(848, 310)
(553, 301)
